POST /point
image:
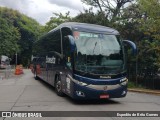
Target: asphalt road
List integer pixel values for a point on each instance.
(23, 93)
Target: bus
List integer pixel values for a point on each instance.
(83, 61)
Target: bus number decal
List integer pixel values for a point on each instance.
(51, 60)
(76, 35)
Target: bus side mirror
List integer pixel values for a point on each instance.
(72, 43)
(132, 45)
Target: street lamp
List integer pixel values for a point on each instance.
(16, 59)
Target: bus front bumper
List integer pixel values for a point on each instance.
(96, 92)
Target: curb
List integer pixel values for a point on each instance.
(145, 91)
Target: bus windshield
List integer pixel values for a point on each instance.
(98, 53)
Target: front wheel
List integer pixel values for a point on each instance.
(35, 75)
(58, 87)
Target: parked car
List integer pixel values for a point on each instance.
(4, 61)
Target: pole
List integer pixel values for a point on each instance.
(16, 59)
(136, 71)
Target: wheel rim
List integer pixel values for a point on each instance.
(58, 86)
(35, 75)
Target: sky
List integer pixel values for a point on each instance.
(42, 10)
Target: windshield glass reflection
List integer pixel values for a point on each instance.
(98, 53)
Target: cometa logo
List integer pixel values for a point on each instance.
(105, 77)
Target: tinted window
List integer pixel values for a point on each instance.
(50, 42)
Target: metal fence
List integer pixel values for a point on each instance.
(144, 77)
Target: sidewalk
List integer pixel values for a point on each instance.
(8, 74)
(148, 91)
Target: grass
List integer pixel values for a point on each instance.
(133, 85)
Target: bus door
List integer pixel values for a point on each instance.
(67, 59)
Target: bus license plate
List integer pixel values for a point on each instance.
(104, 96)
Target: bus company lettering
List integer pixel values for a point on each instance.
(51, 60)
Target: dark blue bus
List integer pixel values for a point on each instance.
(83, 61)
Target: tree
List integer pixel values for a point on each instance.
(56, 20)
(151, 17)
(150, 25)
(88, 16)
(110, 9)
(9, 37)
(30, 31)
(19, 33)
(140, 22)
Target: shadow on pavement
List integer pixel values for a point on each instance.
(91, 102)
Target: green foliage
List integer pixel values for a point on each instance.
(90, 17)
(58, 19)
(151, 17)
(9, 37)
(150, 25)
(30, 30)
(133, 85)
(110, 9)
(19, 32)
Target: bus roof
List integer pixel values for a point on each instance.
(87, 28)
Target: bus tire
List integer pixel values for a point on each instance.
(58, 87)
(35, 76)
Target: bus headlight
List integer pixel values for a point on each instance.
(124, 81)
(77, 82)
(81, 83)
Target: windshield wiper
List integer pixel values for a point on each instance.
(94, 47)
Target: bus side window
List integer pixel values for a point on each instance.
(66, 46)
(65, 31)
(67, 53)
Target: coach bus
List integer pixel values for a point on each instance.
(83, 61)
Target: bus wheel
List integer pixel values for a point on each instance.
(35, 75)
(58, 87)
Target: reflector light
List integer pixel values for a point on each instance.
(104, 96)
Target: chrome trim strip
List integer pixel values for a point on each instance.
(104, 87)
(99, 79)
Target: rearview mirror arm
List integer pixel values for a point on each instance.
(132, 45)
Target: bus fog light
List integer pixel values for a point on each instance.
(124, 83)
(80, 93)
(124, 92)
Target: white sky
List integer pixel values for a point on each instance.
(42, 10)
